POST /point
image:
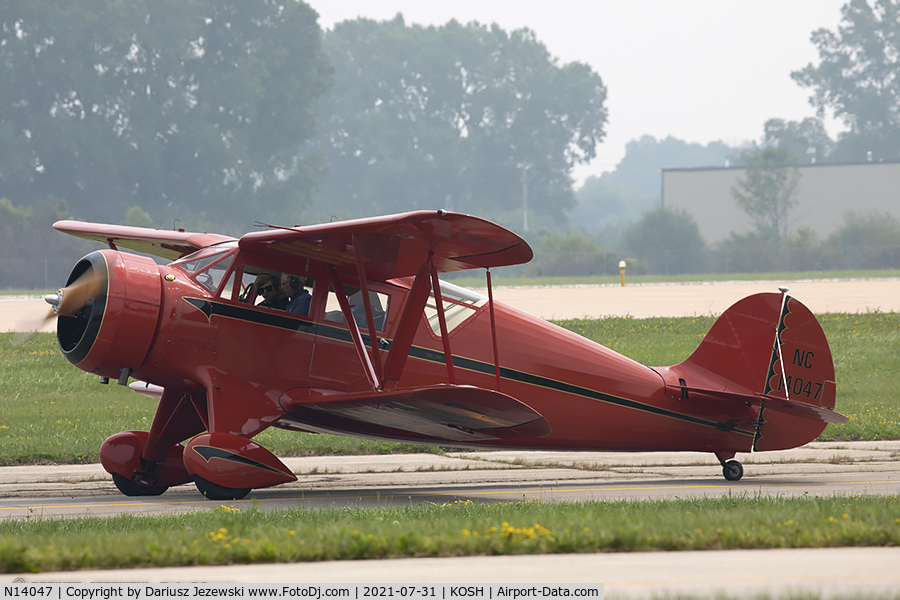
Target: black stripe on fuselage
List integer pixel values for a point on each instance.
(252, 315)
(561, 386)
(246, 313)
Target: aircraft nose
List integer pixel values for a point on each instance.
(108, 312)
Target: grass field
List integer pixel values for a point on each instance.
(52, 412)
(464, 528)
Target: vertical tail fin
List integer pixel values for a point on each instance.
(768, 350)
(801, 367)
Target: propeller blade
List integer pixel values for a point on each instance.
(66, 302)
(69, 300)
(27, 326)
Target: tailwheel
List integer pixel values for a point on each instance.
(732, 470)
(130, 488)
(214, 491)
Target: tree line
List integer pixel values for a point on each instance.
(222, 113)
(190, 110)
(668, 242)
(214, 114)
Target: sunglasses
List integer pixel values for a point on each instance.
(266, 288)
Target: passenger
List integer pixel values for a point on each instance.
(359, 310)
(299, 297)
(269, 287)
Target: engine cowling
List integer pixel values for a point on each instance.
(111, 333)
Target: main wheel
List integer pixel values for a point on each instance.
(130, 488)
(732, 470)
(214, 491)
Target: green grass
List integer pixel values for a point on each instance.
(52, 412)
(463, 528)
(866, 353)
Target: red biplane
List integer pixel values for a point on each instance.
(386, 350)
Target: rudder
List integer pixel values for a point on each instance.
(768, 349)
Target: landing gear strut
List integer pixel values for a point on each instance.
(731, 469)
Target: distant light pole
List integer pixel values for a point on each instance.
(525, 196)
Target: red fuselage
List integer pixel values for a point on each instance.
(252, 358)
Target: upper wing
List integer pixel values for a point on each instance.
(167, 244)
(447, 414)
(397, 245)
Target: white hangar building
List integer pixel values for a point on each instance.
(825, 194)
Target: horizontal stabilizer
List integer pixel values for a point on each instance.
(774, 403)
(435, 414)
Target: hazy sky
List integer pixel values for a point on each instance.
(699, 70)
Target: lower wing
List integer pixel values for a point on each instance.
(451, 414)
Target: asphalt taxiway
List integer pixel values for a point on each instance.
(818, 469)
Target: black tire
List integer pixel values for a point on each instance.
(130, 488)
(215, 491)
(732, 470)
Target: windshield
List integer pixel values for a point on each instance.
(208, 266)
(459, 305)
(190, 262)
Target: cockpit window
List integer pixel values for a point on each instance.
(459, 305)
(270, 288)
(196, 261)
(378, 301)
(209, 270)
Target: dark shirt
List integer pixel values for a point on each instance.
(299, 304)
(280, 302)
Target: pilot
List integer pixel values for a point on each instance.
(299, 297)
(269, 287)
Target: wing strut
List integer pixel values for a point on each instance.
(426, 277)
(370, 318)
(409, 323)
(364, 357)
(442, 319)
(493, 328)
